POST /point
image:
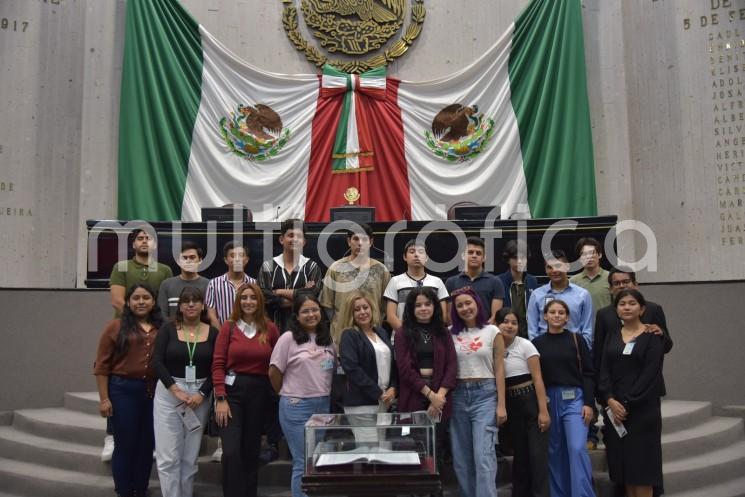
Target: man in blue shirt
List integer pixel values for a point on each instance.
(577, 298)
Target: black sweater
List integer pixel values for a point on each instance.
(171, 357)
(560, 366)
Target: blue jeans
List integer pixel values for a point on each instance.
(133, 434)
(473, 434)
(568, 461)
(293, 413)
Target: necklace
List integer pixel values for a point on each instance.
(192, 332)
(419, 282)
(426, 335)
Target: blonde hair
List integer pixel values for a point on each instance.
(346, 319)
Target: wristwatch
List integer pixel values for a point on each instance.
(220, 398)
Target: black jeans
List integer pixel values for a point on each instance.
(248, 399)
(530, 464)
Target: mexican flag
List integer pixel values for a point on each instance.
(199, 127)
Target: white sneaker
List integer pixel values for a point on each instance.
(108, 448)
(217, 455)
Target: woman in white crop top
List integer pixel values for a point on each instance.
(479, 398)
(527, 410)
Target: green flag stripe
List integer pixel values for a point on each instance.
(549, 96)
(340, 142)
(160, 95)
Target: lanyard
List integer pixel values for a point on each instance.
(191, 348)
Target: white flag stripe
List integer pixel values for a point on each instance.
(353, 139)
(280, 181)
(486, 179)
(329, 81)
(378, 82)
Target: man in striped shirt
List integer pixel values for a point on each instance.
(220, 295)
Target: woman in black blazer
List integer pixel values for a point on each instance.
(367, 359)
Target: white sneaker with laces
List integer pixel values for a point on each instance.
(108, 448)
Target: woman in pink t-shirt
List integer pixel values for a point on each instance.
(301, 368)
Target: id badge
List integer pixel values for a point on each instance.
(628, 348)
(327, 364)
(568, 395)
(190, 374)
(230, 378)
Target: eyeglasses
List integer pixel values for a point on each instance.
(618, 283)
(312, 310)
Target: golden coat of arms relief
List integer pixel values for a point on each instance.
(360, 30)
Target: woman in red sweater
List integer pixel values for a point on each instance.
(242, 389)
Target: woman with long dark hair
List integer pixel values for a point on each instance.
(426, 361)
(630, 384)
(183, 363)
(479, 398)
(366, 354)
(125, 381)
(302, 365)
(527, 410)
(240, 372)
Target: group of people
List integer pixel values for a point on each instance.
(476, 352)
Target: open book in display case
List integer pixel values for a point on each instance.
(370, 454)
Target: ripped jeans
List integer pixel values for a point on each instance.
(473, 435)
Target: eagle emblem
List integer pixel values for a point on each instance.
(384, 11)
(362, 30)
(254, 132)
(353, 27)
(459, 133)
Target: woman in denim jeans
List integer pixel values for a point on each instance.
(125, 382)
(478, 400)
(301, 368)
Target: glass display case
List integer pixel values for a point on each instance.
(370, 454)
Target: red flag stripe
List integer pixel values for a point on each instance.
(386, 187)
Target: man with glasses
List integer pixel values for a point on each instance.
(189, 259)
(593, 277)
(415, 256)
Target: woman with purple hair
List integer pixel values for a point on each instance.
(479, 397)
